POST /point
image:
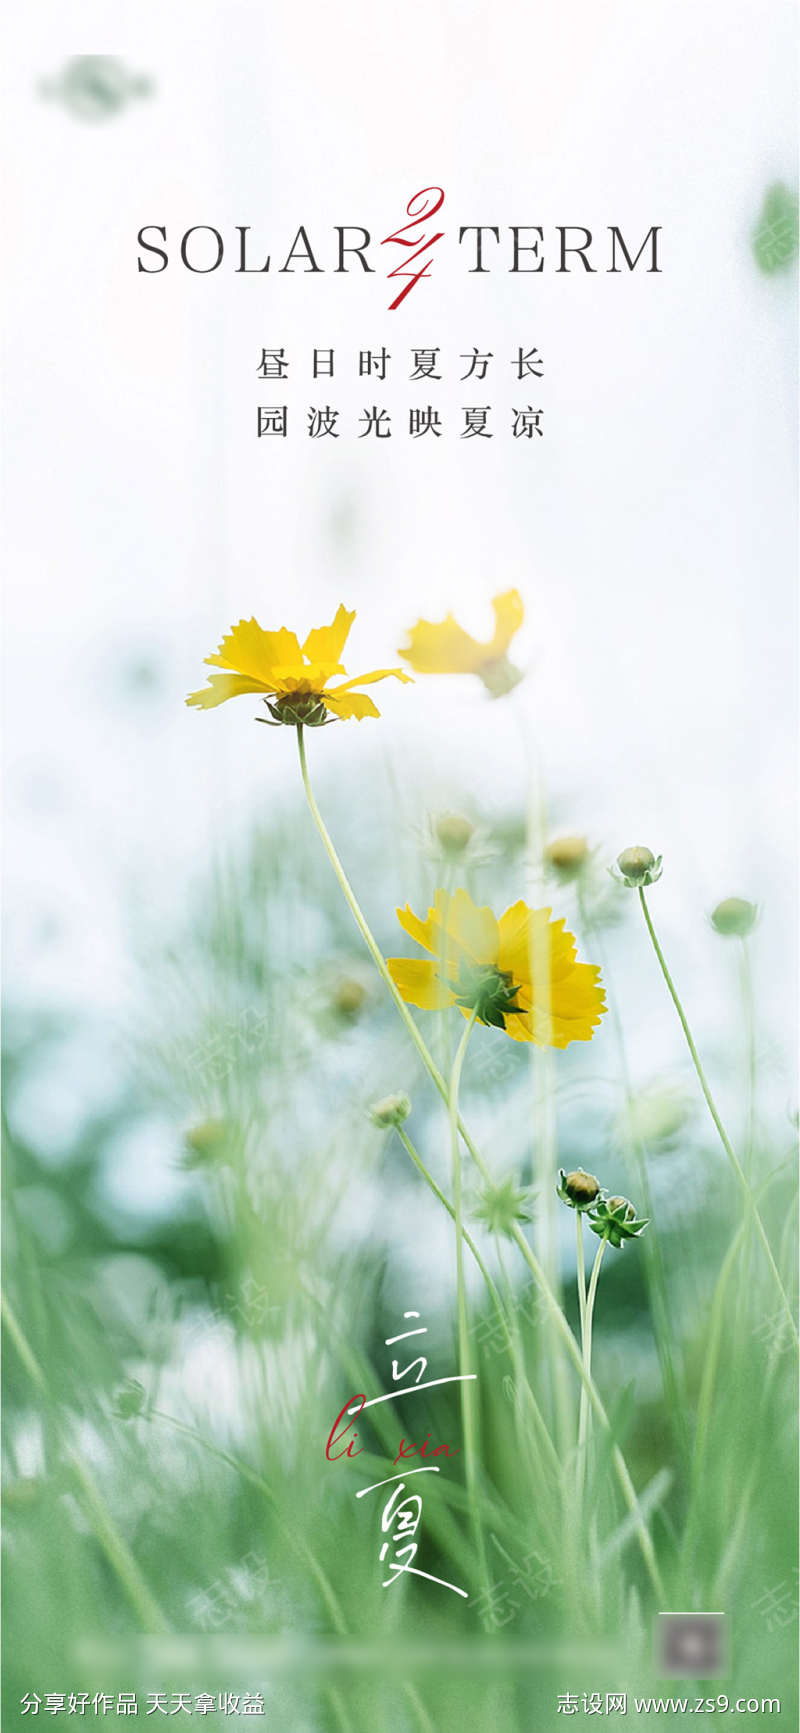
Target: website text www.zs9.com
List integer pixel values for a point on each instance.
(619, 1703)
(707, 1705)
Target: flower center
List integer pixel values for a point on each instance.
(487, 990)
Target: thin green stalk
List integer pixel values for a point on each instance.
(580, 1272)
(620, 1465)
(585, 1440)
(467, 1393)
(508, 1330)
(106, 1533)
(584, 1422)
(544, 1095)
(712, 1108)
(653, 1259)
(749, 1024)
(374, 949)
(705, 1400)
(465, 1233)
(590, 1302)
(748, 1009)
(522, 1384)
(560, 1321)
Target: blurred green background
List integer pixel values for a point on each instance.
(208, 1244)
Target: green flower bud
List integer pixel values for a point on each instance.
(734, 917)
(500, 1206)
(578, 1189)
(453, 832)
(638, 866)
(567, 855)
(348, 996)
(207, 1142)
(615, 1220)
(129, 1399)
(392, 1110)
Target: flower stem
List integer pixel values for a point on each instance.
(712, 1108)
(748, 1009)
(620, 1465)
(507, 1328)
(464, 1363)
(375, 950)
(559, 1320)
(590, 1302)
(653, 1258)
(581, 1272)
(522, 1383)
(545, 1129)
(581, 1280)
(465, 1234)
(584, 1422)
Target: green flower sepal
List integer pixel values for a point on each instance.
(500, 1206)
(129, 1399)
(488, 991)
(297, 710)
(615, 1220)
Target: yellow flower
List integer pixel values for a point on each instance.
(443, 647)
(292, 681)
(486, 965)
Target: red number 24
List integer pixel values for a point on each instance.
(403, 238)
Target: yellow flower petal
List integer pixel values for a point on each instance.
(519, 1028)
(577, 1004)
(454, 924)
(350, 704)
(416, 981)
(509, 614)
(248, 649)
(347, 702)
(579, 997)
(548, 1031)
(443, 647)
(530, 942)
(303, 676)
(223, 686)
(425, 932)
(326, 643)
(521, 931)
(377, 674)
(472, 929)
(563, 1000)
